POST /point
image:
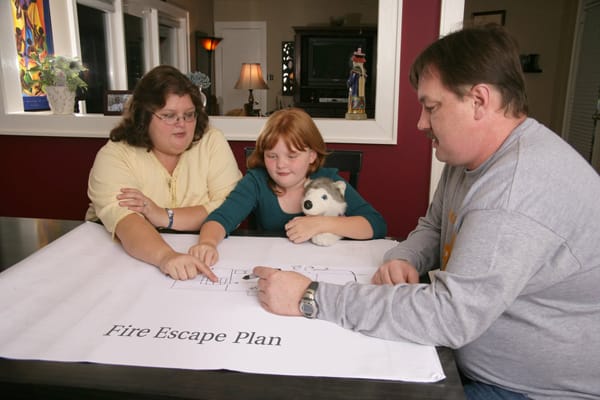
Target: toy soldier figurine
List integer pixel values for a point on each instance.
(356, 87)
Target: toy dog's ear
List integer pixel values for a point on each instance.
(341, 186)
(308, 181)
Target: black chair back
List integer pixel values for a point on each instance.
(346, 161)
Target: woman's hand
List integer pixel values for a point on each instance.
(394, 272)
(185, 266)
(142, 241)
(207, 253)
(136, 201)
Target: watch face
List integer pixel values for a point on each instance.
(307, 309)
(308, 304)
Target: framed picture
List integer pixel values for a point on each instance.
(489, 17)
(114, 101)
(33, 35)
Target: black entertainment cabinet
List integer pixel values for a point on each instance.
(323, 63)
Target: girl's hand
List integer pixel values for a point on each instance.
(301, 229)
(207, 253)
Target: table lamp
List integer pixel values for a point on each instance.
(250, 78)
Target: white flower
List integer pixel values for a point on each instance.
(199, 79)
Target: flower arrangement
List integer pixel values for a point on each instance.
(57, 71)
(199, 79)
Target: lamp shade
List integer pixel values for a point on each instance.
(251, 77)
(209, 43)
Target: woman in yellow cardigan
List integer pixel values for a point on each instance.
(163, 167)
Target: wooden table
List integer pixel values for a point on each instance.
(33, 379)
(20, 237)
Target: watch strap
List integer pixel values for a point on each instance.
(308, 304)
(170, 215)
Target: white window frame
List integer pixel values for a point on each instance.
(156, 12)
(380, 130)
(113, 32)
(15, 121)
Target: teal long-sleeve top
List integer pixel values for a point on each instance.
(252, 194)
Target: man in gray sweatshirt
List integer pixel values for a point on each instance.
(514, 228)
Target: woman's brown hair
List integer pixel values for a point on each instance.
(149, 95)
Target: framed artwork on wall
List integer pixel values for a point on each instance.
(114, 101)
(489, 17)
(33, 37)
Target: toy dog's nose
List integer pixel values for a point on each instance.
(307, 205)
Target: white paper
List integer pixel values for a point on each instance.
(82, 298)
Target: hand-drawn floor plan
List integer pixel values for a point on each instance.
(232, 279)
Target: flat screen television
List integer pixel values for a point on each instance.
(328, 60)
(324, 62)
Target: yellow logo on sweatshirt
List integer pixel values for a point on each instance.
(449, 245)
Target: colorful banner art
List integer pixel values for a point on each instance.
(33, 34)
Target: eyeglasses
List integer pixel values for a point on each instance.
(172, 119)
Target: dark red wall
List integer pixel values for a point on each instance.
(47, 176)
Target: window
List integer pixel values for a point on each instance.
(101, 47)
(93, 54)
(67, 41)
(134, 49)
(164, 33)
(167, 47)
(13, 121)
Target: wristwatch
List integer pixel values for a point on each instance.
(170, 214)
(308, 303)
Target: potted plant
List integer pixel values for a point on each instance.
(59, 78)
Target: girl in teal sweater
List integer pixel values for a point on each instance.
(288, 151)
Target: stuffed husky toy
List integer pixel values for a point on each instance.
(323, 196)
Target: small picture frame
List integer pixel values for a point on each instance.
(489, 17)
(114, 101)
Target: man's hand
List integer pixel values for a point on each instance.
(280, 292)
(394, 272)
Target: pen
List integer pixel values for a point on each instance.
(253, 276)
